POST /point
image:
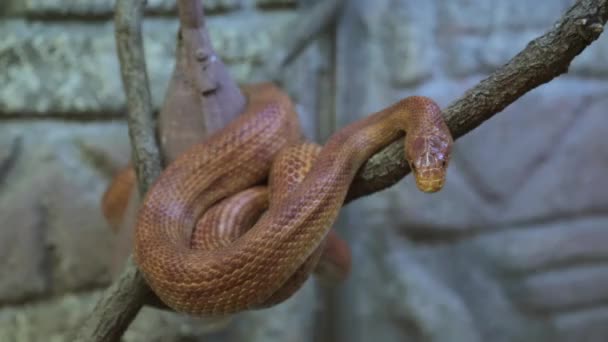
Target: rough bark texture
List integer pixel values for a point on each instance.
(146, 156)
(121, 302)
(117, 307)
(545, 58)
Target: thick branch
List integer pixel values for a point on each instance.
(545, 58)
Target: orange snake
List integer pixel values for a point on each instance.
(201, 256)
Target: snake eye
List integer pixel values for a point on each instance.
(444, 163)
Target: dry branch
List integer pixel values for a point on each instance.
(545, 58)
(130, 48)
(120, 303)
(542, 60)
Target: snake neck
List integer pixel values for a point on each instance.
(414, 116)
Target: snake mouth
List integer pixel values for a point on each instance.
(430, 185)
(430, 180)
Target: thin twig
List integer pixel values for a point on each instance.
(120, 303)
(129, 45)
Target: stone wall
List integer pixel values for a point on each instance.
(511, 250)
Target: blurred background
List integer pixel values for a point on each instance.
(513, 248)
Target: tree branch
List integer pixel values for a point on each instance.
(129, 45)
(545, 58)
(542, 60)
(120, 303)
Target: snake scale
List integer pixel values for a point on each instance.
(210, 240)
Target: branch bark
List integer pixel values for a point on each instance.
(129, 45)
(120, 303)
(543, 59)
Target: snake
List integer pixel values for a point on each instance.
(202, 257)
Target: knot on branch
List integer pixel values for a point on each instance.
(590, 28)
(205, 57)
(202, 61)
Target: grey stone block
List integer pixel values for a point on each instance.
(50, 207)
(584, 325)
(105, 8)
(470, 54)
(101, 8)
(534, 246)
(406, 35)
(72, 68)
(563, 289)
(487, 16)
(50, 320)
(292, 320)
(23, 251)
(58, 318)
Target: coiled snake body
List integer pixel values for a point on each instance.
(205, 269)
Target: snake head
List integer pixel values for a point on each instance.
(428, 156)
